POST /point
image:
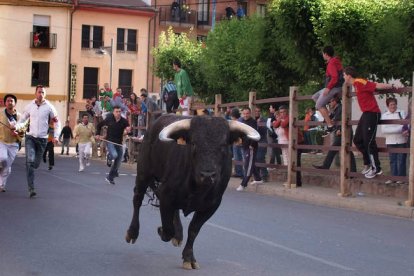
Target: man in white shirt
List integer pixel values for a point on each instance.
(39, 112)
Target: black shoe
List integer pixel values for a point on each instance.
(328, 131)
(50, 168)
(32, 193)
(108, 162)
(109, 181)
(67, 153)
(319, 167)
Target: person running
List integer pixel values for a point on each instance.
(50, 147)
(333, 85)
(9, 139)
(366, 130)
(38, 113)
(84, 132)
(117, 127)
(64, 138)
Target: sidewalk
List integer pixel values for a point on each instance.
(329, 197)
(317, 195)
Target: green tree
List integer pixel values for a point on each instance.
(231, 58)
(172, 46)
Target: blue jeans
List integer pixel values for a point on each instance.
(116, 153)
(398, 161)
(34, 148)
(261, 158)
(238, 156)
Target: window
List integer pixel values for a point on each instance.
(125, 82)
(40, 73)
(41, 31)
(90, 82)
(203, 12)
(126, 40)
(261, 10)
(92, 36)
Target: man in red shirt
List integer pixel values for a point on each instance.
(333, 85)
(366, 130)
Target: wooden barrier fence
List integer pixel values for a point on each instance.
(294, 149)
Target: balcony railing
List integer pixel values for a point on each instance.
(127, 47)
(178, 16)
(48, 41)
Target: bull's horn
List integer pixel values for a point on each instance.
(174, 127)
(248, 130)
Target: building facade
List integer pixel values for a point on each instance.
(34, 50)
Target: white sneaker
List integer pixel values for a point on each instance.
(88, 163)
(256, 182)
(240, 188)
(366, 170)
(81, 169)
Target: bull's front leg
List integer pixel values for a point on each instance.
(199, 218)
(133, 230)
(166, 231)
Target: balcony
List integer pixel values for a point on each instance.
(43, 41)
(178, 17)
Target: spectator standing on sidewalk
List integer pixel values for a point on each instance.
(276, 153)
(249, 149)
(65, 137)
(394, 138)
(9, 139)
(38, 112)
(237, 149)
(117, 127)
(333, 85)
(366, 130)
(261, 151)
(281, 126)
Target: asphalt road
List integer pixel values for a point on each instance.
(77, 224)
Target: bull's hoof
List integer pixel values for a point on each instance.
(162, 235)
(130, 239)
(176, 242)
(190, 265)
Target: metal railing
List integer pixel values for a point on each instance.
(48, 41)
(178, 16)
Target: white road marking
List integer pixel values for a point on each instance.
(291, 250)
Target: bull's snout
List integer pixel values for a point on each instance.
(208, 175)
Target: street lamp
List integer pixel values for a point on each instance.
(108, 50)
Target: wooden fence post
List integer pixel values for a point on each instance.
(217, 102)
(252, 99)
(410, 201)
(346, 131)
(293, 138)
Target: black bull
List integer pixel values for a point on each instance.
(193, 175)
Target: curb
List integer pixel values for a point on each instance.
(329, 197)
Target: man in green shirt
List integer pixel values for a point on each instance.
(184, 89)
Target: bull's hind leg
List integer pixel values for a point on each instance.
(199, 218)
(178, 229)
(133, 230)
